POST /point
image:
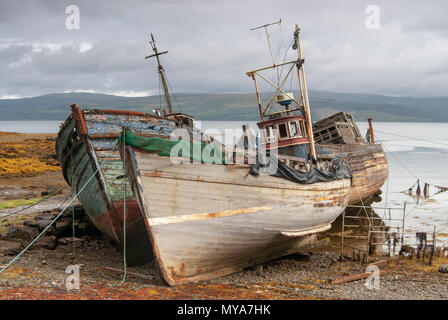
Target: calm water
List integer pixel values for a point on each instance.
(414, 150)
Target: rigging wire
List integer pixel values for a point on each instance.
(399, 135)
(173, 95)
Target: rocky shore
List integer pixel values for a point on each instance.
(40, 273)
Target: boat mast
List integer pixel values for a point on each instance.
(304, 91)
(268, 37)
(161, 72)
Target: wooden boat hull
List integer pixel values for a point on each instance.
(86, 140)
(367, 163)
(208, 220)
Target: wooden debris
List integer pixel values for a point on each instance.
(355, 277)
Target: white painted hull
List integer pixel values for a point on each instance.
(208, 220)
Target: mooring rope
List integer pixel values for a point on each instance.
(56, 218)
(34, 204)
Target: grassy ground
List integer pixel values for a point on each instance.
(6, 204)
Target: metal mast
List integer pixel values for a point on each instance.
(161, 72)
(268, 37)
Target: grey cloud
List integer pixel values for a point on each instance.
(210, 45)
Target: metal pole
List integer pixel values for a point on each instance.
(269, 43)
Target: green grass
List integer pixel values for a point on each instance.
(6, 204)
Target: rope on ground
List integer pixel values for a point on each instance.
(56, 218)
(34, 204)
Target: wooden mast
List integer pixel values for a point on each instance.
(161, 72)
(305, 93)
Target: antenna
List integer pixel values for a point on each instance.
(161, 72)
(265, 26)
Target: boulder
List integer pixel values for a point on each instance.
(68, 241)
(50, 190)
(45, 215)
(79, 212)
(443, 268)
(64, 228)
(9, 247)
(85, 228)
(46, 242)
(20, 233)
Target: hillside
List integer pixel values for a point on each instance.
(232, 106)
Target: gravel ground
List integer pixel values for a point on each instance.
(288, 278)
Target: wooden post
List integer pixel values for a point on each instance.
(402, 225)
(305, 91)
(342, 235)
(433, 245)
(372, 137)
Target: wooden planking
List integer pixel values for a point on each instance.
(368, 165)
(233, 174)
(239, 224)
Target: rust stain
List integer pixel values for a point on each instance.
(182, 269)
(154, 173)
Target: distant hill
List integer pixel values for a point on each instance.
(232, 106)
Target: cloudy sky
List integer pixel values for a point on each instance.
(211, 47)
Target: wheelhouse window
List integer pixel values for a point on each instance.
(283, 132)
(293, 129)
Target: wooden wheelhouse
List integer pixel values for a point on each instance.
(289, 130)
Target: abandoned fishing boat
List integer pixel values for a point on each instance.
(334, 137)
(212, 215)
(87, 145)
(339, 136)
